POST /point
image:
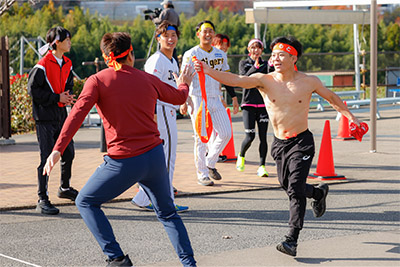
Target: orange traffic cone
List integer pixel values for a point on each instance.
(229, 150)
(325, 166)
(344, 129)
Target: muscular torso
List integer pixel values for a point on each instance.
(287, 103)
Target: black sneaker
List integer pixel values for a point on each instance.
(121, 261)
(45, 207)
(175, 191)
(289, 246)
(222, 158)
(319, 206)
(214, 174)
(71, 193)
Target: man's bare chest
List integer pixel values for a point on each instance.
(288, 94)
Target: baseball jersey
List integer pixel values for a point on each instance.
(216, 59)
(163, 67)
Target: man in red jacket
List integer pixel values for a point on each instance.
(50, 86)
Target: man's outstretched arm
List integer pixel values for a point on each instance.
(227, 77)
(334, 100)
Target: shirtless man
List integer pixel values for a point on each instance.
(287, 95)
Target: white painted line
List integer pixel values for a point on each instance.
(11, 258)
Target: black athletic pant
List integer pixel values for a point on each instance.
(251, 115)
(293, 159)
(47, 134)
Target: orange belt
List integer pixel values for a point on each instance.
(203, 122)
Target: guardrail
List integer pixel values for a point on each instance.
(317, 99)
(355, 105)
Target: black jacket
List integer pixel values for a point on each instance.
(230, 90)
(170, 15)
(44, 102)
(246, 67)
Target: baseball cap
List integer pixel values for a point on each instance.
(166, 2)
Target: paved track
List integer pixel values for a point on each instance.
(360, 228)
(233, 229)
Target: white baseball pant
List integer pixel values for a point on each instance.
(166, 123)
(222, 127)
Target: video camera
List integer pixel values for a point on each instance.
(151, 14)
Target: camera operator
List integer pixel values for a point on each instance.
(169, 14)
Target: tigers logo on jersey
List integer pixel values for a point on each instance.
(171, 76)
(213, 62)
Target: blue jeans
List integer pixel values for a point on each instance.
(112, 178)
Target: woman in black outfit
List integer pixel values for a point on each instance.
(253, 107)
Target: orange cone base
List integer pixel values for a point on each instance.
(326, 178)
(230, 159)
(338, 138)
(229, 150)
(229, 156)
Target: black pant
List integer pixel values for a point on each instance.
(251, 115)
(293, 159)
(47, 134)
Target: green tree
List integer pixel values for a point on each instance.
(87, 31)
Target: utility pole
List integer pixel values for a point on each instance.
(356, 54)
(5, 110)
(97, 63)
(373, 73)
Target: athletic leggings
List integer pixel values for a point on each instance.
(115, 176)
(251, 115)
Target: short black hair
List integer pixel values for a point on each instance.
(204, 21)
(163, 28)
(290, 40)
(53, 32)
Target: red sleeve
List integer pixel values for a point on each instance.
(170, 94)
(86, 100)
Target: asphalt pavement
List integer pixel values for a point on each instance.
(237, 222)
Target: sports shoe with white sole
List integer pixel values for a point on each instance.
(147, 208)
(240, 163)
(205, 181)
(179, 208)
(262, 172)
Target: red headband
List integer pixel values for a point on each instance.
(111, 60)
(285, 47)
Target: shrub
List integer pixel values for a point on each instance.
(21, 105)
(78, 86)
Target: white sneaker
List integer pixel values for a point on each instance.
(205, 181)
